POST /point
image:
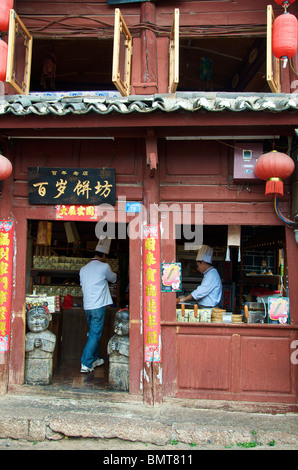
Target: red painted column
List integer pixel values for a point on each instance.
(5, 277)
(152, 378)
(149, 50)
(144, 60)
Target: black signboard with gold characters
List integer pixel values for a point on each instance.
(71, 185)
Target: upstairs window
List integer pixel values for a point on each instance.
(72, 64)
(205, 63)
(236, 64)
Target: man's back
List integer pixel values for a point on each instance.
(94, 278)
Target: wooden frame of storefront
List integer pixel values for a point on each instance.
(241, 344)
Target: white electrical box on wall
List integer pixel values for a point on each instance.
(245, 157)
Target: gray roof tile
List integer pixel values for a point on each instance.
(62, 104)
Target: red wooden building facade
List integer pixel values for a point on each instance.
(169, 150)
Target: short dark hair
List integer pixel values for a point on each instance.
(98, 253)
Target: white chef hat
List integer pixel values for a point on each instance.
(205, 253)
(103, 245)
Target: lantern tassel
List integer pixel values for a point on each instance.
(275, 186)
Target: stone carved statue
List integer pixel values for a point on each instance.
(118, 351)
(39, 347)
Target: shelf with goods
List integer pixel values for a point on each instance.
(264, 279)
(56, 275)
(59, 276)
(58, 254)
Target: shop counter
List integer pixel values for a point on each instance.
(230, 361)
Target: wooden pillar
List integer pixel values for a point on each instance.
(149, 49)
(144, 69)
(18, 305)
(292, 257)
(152, 370)
(6, 214)
(150, 59)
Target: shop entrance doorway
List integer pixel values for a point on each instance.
(56, 252)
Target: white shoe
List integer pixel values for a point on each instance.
(85, 369)
(98, 362)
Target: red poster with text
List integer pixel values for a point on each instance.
(76, 212)
(6, 256)
(151, 293)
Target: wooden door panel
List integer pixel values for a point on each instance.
(203, 362)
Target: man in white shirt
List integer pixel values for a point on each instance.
(209, 293)
(94, 279)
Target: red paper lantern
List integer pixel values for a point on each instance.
(3, 60)
(284, 3)
(274, 167)
(285, 37)
(5, 7)
(5, 168)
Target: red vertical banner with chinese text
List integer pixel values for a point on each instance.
(6, 256)
(151, 293)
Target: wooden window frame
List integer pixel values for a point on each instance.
(120, 27)
(174, 54)
(17, 26)
(272, 63)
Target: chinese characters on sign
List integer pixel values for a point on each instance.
(76, 212)
(85, 186)
(6, 254)
(151, 283)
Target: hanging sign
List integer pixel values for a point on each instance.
(171, 278)
(86, 186)
(76, 212)
(6, 255)
(151, 286)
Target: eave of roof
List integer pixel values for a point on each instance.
(105, 103)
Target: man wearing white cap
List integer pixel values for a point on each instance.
(94, 278)
(208, 294)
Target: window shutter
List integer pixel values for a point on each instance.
(174, 54)
(121, 55)
(19, 55)
(272, 65)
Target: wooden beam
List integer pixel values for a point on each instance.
(179, 120)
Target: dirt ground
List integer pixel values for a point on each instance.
(120, 445)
